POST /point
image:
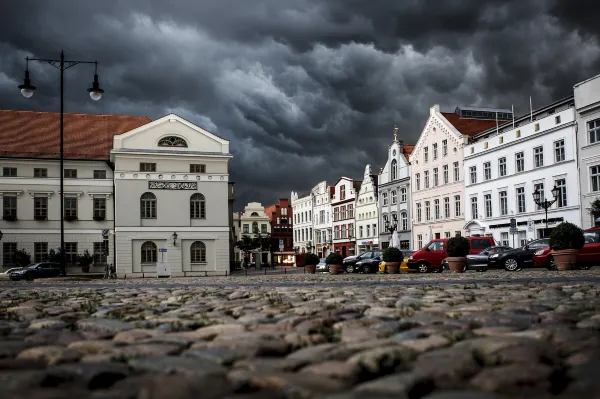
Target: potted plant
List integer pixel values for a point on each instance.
(85, 260)
(334, 260)
(566, 240)
(40, 217)
(310, 262)
(70, 218)
(10, 218)
(393, 258)
(457, 248)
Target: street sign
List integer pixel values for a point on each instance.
(105, 233)
(162, 249)
(513, 230)
(513, 223)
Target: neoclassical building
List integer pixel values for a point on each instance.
(253, 221)
(367, 213)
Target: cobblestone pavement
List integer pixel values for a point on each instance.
(408, 336)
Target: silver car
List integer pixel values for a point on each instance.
(322, 266)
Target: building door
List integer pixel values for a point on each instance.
(265, 257)
(438, 236)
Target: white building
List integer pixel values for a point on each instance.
(394, 194)
(342, 204)
(587, 103)
(503, 167)
(254, 222)
(437, 170)
(367, 213)
(303, 225)
(322, 219)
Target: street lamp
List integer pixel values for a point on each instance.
(95, 91)
(174, 236)
(1, 234)
(537, 198)
(391, 227)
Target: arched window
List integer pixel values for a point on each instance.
(254, 227)
(172, 141)
(148, 206)
(254, 214)
(394, 169)
(404, 221)
(198, 252)
(148, 252)
(197, 206)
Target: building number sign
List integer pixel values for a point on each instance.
(172, 185)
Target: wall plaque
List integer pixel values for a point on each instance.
(172, 185)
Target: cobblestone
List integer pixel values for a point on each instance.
(303, 336)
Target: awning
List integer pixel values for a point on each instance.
(284, 253)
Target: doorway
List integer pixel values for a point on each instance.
(438, 236)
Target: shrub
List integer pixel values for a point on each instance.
(334, 259)
(22, 258)
(392, 254)
(458, 247)
(85, 259)
(310, 259)
(566, 236)
(54, 255)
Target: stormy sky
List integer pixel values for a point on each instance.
(306, 90)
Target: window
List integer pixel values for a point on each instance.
(284, 212)
(435, 151)
(503, 202)
(10, 207)
(99, 253)
(594, 131)
(456, 172)
(557, 119)
(474, 213)
(502, 166)
(520, 162)
(394, 170)
(148, 206)
(404, 221)
(487, 199)
(403, 193)
(350, 211)
(447, 207)
(419, 212)
(473, 174)
(426, 154)
(435, 177)
(172, 141)
(246, 229)
(40, 252)
(444, 148)
(561, 184)
(99, 174)
(148, 252)
(197, 168)
(538, 156)
(147, 167)
(522, 238)
(487, 170)
(40, 208)
(368, 230)
(40, 172)
(394, 197)
(198, 252)
(418, 181)
(504, 239)
(437, 208)
(197, 206)
(537, 127)
(360, 232)
(70, 253)
(521, 199)
(419, 241)
(457, 205)
(9, 172)
(540, 187)
(263, 228)
(70, 207)
(427, 210)
(445, 174)
(447, 234)
(595, 176)
(342, 192)
(99, 208)
(385, 198)
(254, 227)
(70, 173)
(336, 214)
(8, 253)
(426, 179)
(559, 151)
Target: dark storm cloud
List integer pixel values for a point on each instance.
(306, 90)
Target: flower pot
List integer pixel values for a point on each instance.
(335, 269)
(456, 264)
(85, 269)
(392, 267)
(565, 259)
(311, 269)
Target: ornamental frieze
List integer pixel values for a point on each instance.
(172, 185)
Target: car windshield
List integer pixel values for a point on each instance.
(32, 266)
(322, 260)
(591, 236)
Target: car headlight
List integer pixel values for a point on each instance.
(539, 252)
(410, 257)
(494, 256)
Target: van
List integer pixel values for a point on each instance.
(429, 258)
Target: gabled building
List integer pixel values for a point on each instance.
(367, 213)
(280, 218)
(254, 222)
(302, 208)
(322, 219)
(343, 207)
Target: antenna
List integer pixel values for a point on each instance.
(496, 122)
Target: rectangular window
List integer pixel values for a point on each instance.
(559, 151)
(425, 154)
(40, 252)
(263, 228)
(419, 216)
(99, 174)
(435, 177)
(457, 205)
(360, 232)
(435, 151)
(70, 253)
(147, 167)
(9, 172)
(426, 179)
(456, 172)
(594, 131)
(197, 168)
(561, 201)
(40, 208)
(70, 207)
(504, 239)
(447, 207)
(418, 181)
(487, 199)
(350, 211)
(557, 119)
(427, 210)
(99, 208)
(70, 173)
(246, 229)
(368, 231)
(385, 198)
(403, 194)
(10, 207)
(419, 241)
(595, 177)
(473, 174)
(444, 148)
(519, 162)
(502, 166)
(99, 253)
(437, 208)
(538, 157)
(520, 199)
(8, 253)
(540, 187)
(522, 238)
(503, 202)
(447, 234)
(487, 170)
(445, 174)
(342, 192)
(394, 197)
(40, 172)
(474, 210)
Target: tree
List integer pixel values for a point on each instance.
(595, 208)
(249, 244)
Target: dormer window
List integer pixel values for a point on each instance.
(172, 141)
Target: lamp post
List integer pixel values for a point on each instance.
(391, 227)
(537, 198)
(95, 91)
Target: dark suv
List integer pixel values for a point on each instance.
(350, 262)
(36, 270)
(518, 258)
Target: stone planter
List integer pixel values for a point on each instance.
(85, 268)
(335, 269)
(456, 264)
(392, 267)
(565, 259)
(311, 269)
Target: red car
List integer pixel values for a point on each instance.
(430, 257)
(588, 256)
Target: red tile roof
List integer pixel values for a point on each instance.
(468, 126)
(407, 150)
(37, 134)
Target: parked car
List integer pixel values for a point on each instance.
(430, 257)
(322, 266)
(479, 262)
(36, 270)
(518, 258)
(5, 275)
(588, 256)
(350, 262)
(405, 253)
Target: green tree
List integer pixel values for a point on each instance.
(595, 208)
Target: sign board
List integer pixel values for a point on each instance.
(513, 230)
(530, 225)
(163, 269)
(105, 233)
(281, 247)
(162, 249)
(513, 223)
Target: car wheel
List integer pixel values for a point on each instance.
(29, 277)
(422, 267)
(366, 269)
(350, 268)
(511, 265)
(551, 264)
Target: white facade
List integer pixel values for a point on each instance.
(322, 218)
(254, 222)
(343, 208)
(302, 208)
(367, 213)
(502, 170)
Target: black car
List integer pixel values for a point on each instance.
(350, 263)
(518, 258)
(479, 262)
(367, 266)
(36, 270)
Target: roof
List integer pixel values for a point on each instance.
(407, 150)
(87, 136)
(468, 126)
